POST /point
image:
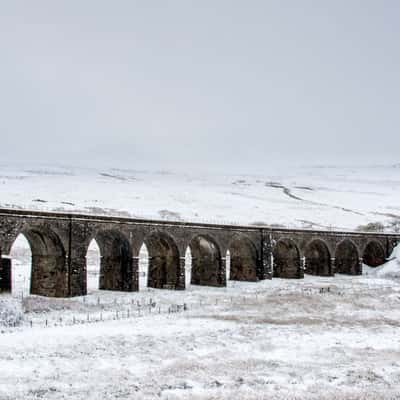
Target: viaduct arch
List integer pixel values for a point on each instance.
(318, 259)
(59, 244)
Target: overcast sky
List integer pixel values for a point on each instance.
(219, 83)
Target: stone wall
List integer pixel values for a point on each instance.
(59, 244)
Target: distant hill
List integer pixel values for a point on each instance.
(315, 197)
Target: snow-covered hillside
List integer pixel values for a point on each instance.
(319, 197)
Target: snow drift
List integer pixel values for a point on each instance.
(391, 269)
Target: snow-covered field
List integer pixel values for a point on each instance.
(317, 338)
(279, 339)
(319, 197)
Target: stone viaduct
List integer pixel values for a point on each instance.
(59, 244)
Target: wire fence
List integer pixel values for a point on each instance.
(121, 308)
(127, 312)
(112, 311)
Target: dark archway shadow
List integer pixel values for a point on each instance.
(287, 263)
(243, 260)
(116, 266)
(164, 270)
(318, 259)
(347, 258)
(206, 262)
(374, 254)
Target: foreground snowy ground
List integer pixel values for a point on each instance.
(319, 338)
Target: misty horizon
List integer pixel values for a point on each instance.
(216, 86)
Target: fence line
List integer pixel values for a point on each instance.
(133, 309)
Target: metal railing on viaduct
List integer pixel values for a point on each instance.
(59, 244)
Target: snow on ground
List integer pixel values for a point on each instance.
(320, 196)
(317, 338)
(275, 339)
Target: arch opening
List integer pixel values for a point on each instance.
(243, 260)
(164, 270)
(47, 267)
(286, 258)
(188, 267)
(318, 259)
(207, 269)
(228, 265)
(143, 267)
(20, 258)
(347, 259)
(116, 266)
(93, 265)
(374, 254)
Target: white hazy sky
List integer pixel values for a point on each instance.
(215, 84)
